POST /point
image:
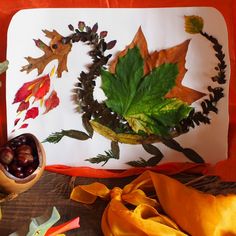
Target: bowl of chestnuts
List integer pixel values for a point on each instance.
(22, 161)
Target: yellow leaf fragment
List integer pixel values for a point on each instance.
(193, 24)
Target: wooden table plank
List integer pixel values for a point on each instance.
(53, 190)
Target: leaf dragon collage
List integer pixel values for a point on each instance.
(146, 101)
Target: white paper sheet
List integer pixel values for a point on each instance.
(163, 28)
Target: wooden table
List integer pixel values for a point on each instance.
(54, 190)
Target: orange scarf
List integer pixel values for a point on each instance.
(187, 211)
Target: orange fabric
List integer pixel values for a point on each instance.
(169, 168)
(227, 8)
(184, 210)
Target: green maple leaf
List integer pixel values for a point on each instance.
(140, 99)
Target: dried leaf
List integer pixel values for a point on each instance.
(95, 28)
(87, 125)
(71, 27)
(152, 149)
(139, 41)
(102, 158)
(103, 34)
(32, 113)
(52, 102)
(193, 24)
(193, 156)
(24, 126)
(16, 121)
(115, 149)
(139, 163)
(81, 25)
(153, 161)
(76, 134)
(111, 44)
(37, 88)
(55, 50)
(188, 152)
(175, 55)
(23, 106)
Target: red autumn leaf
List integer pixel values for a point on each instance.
(24, 126)
(23, 106)
(52, 102)
(37, 88)
(32, 113)
(16, 121)
(43, 89)
(22, 93)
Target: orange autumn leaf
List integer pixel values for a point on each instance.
(56, 50)
(175, 55)
(52, 102)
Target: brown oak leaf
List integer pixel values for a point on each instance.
(55, 50)
(174, 54)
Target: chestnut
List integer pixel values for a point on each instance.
(24, 149)
(29, 170)
(24, 159)
(24, 166)
(6, 155)
(14, 167)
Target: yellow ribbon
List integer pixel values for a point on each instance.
(179, 210)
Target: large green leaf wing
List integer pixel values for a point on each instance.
(140, 100)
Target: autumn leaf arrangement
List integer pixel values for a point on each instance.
(146, 101)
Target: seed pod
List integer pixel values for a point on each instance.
(87, 125)
(71, 27)
(115, 149)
